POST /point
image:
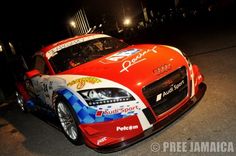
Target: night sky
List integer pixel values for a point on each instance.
(35, 22)
(30, 25)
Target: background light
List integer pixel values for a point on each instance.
(1, 48)
(72, 23)
(127, 21)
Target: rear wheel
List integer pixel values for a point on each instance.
(68, 122)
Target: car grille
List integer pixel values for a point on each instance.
(165, 93)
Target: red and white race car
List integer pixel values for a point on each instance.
(108, 94)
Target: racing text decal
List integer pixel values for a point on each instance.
(54, 50)
(139, 58)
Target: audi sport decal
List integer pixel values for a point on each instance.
(173, 88)
(126, 110)
(158, 98)
(88, 114)
(139, 58)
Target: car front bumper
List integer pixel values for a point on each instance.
(113, 145)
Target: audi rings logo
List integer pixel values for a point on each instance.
(163, 68)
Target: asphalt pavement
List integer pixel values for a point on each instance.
(212, 47)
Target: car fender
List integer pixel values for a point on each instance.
(84, 113)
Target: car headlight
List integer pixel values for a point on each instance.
(101, 96)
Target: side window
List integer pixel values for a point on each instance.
(41, 65)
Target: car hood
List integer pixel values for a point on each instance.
(134, 66)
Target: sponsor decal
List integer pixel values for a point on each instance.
(85, 114)
(126, 128)
(120, 56)
(116, 111)
(102, 140)
(139, 58)
(173, 88)
(53, 51)
(158, 98)
(82, 81)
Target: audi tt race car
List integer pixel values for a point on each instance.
(108, 94)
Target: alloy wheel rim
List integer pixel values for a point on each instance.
(67, 121)
(20, 101)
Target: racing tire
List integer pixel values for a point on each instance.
(68, 121)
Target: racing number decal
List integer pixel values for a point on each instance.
(45, 88)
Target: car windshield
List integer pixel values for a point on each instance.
(81, 53)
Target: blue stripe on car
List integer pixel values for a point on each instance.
(84, 113)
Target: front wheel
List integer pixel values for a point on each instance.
(20, 102)
(68, 122)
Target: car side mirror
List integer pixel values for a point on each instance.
(33, 73)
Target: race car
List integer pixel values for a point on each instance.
(108, 94)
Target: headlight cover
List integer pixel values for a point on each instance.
(101, 96)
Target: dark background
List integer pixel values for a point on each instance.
(33, 24)
(30, 25)
(209, 38)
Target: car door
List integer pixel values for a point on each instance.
(38, 85)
